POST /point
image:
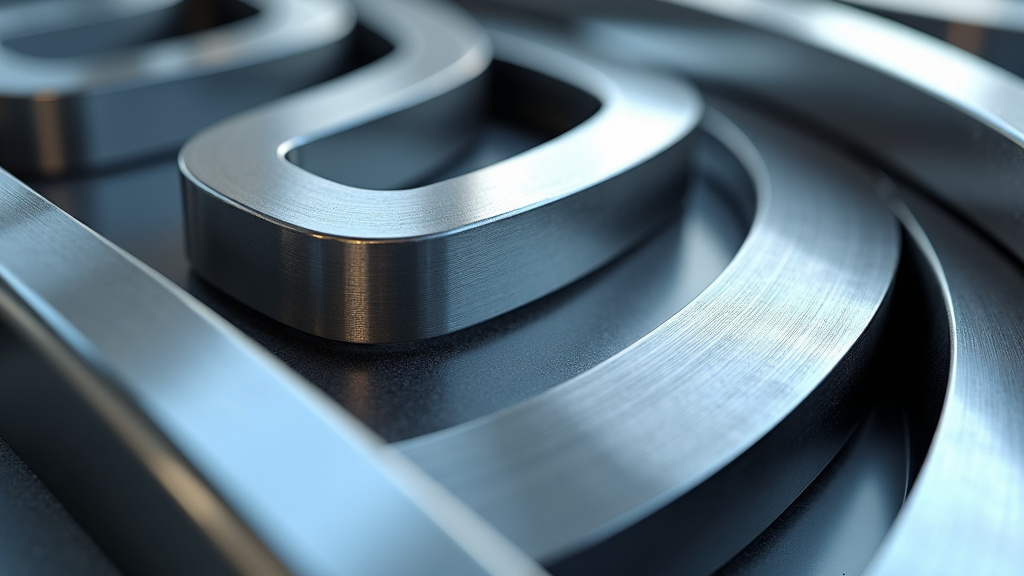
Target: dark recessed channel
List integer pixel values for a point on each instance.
(428, 143)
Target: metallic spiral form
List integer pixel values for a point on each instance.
(314, 287)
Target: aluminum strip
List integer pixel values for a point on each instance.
(375, 266)
(965, 512)
(765, 342)
(128, 98)
(992, 29)
(927, 110)
(218, 437)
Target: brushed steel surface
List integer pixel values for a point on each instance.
(404, 390)
(965, 513)
(192, 450)
(116, 97)
(668, 413)
(219, 438)
(395, 265)
(920, 107)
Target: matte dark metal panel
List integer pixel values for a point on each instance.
(376, 266)
(97, 109)
(256, 462)
(598, 453)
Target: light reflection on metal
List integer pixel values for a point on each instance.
(376, 266)
(965, 514)
(725, 412)
(951, 122)
(673, 410)
(117, 94)
(235, 464)
(992, 29)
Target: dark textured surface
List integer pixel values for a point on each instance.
(37, 536)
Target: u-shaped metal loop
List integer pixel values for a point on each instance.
(126, 87)
(363, 265)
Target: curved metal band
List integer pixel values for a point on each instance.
(928, 110)
(954, 123)
(605, 449)
(59, 113)
(393, 265)
(209, 455)
(992, 29)
(965, 512)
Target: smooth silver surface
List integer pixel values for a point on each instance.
(928, 110)
(992, 29)
(115, 94)
(369, 266)
(997, 14)
(601, 451)
(269, 473)
(764, 350)
(965, 513)
(942, 117)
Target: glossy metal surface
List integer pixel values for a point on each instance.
(965, 514)
(926, 109)
(992, 29)
(667, 458)
(368, 266)
(93, 84)
(665, 415)
(238, 466)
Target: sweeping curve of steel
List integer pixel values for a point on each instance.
(797, 283)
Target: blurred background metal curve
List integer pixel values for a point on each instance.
(84, 85)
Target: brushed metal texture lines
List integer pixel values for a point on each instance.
(671, 411)
(214, 457)
(184, 447)
(950, 122)
(395, 265)
(925, 109)
(965, 513)
(128, 98)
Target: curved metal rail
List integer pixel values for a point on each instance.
(370, 266)
(130, 98)
(667, 414)
(204, 454)
(965, 512)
